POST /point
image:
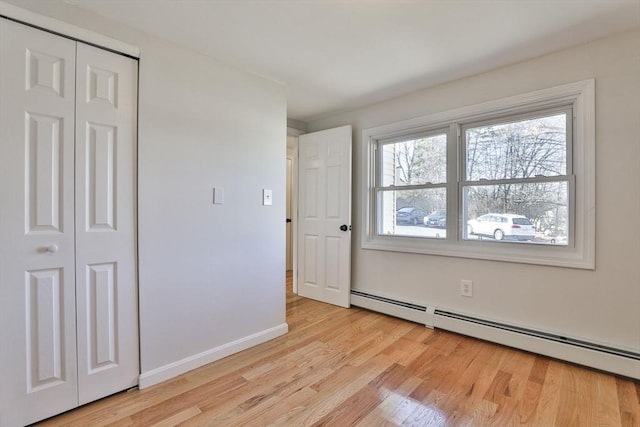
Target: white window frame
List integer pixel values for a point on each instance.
(380, 188)
(579, 253)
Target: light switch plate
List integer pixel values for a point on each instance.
(267, 197)
(218, 195)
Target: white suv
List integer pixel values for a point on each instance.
(502, 226)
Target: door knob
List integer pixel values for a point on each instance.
(51, 249)
(344, 227)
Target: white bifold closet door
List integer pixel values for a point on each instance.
(106, 291)
(68, 293)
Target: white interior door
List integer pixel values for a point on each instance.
(105, 218)
(324, 216)
(37, 249)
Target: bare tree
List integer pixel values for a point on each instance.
(418, 162)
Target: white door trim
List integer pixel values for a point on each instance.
(293, 154)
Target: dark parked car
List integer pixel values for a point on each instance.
(437, 218)
(410, 216)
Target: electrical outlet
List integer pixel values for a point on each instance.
(466, 288)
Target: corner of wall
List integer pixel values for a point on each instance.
(296, 126)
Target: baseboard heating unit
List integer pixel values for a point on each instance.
(616, 360)
(404, 310)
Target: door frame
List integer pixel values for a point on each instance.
(292, 153)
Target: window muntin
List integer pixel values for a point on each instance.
(519, 166)
(412, 172)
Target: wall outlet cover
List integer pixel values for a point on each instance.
(466, 288)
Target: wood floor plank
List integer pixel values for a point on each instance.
(210, 390)
(475, 380)
(353, 409)
(608, 413)
(629, 406)
(394, 404)
(224, 409)
(463, 390)
(568, 399)
(548, 405)
(280, 415)
(484, 413)
(179, 417)
(528, 403)
(344, 389)
(346, 367)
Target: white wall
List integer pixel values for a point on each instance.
(211, 276)
(602, 305)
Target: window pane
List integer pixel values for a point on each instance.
(403, 212)
(535, 213)
(417, 161)
(521, 149)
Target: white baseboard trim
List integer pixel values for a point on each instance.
(583, 356)
(423, 317)
(163, 373)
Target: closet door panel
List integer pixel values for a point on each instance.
(38, 368)
(105, 223)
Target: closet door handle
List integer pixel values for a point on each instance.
(51, 249)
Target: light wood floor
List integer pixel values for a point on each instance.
(339, 367)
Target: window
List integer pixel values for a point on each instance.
(509, 180)
(412, 182)
(518, 168)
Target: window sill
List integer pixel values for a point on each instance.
(556, 256)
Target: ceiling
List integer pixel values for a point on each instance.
(338, 55)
